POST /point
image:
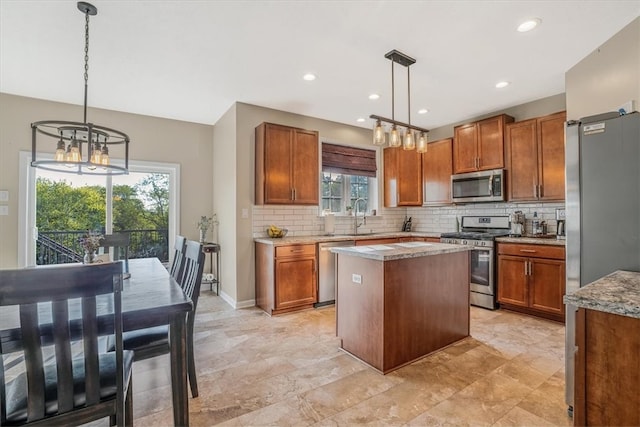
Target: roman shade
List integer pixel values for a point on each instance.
(348, 160)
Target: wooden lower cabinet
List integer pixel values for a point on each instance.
(531, 279)
(607, 369)
(286, 277)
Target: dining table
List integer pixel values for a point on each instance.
(150, 297)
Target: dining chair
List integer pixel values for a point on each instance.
(52, 314)
(178, 256)
(119, 241)
(152, 342)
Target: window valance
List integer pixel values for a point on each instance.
(348, 160)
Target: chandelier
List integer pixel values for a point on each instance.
(413, 137)
(81, 147)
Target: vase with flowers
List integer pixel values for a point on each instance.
(204, 224)
(90, 242)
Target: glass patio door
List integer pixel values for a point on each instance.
(59, 208)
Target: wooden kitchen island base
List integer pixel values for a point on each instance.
(403, 309)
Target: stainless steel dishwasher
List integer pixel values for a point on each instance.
(327, 271)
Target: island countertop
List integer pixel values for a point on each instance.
(393, 251)
(616, 293)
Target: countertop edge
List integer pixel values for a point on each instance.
(399, 252)
(298, 240)
(615, 293)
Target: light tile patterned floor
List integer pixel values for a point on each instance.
(256, 370)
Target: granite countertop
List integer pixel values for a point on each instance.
(533, 240)
(338, 238)
(617, 293)
(394, 251)
(320, 238)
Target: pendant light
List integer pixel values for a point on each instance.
(396, 139)
(421, 145)
(87, 144)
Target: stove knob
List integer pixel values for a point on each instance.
(464, 242)
(483, 243)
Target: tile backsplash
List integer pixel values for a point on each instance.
(307, 221)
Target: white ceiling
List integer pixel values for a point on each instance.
(191, 60)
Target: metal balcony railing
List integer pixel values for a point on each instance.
(60, 247)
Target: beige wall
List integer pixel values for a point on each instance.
(224, 199)
(152, 139)
(240, 152)
(608, 77)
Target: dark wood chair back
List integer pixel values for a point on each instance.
(51, 328)
(119, 241)
(191, 275)
(178, 256)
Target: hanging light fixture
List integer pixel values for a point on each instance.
(396, 137)
(87, 144)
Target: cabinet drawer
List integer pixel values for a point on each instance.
(295, 250)
(536, 251)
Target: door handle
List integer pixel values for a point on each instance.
(491, 185)
(525, 269)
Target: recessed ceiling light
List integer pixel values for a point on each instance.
(500, 85)
(529, 25)
(360, 120)
(309, 77)
(374, 96)
(423, 111)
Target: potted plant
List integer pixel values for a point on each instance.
(204, 224)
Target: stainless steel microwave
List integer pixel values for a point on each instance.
(474, 187)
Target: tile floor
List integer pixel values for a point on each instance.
(288, 371)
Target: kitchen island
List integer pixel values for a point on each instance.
(607, 343)
(399, 302)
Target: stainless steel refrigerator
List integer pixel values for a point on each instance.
(602, 207)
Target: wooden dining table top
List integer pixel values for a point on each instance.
(150, 297)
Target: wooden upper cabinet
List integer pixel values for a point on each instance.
(551, 152)
(480, 145)
(437, 167)
(287, 169)
(465, 148)
(402, 177)
(535, 158)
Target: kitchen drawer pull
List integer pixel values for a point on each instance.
(529, 251)
(296, 250)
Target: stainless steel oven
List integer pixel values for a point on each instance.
(480, 232)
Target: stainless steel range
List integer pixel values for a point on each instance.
(480, 232)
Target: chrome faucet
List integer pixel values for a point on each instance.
(364, 218)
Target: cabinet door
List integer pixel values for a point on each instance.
(522, 160)
(512, 280)
(546, 285)
(402, 177)
(410, 181)
(295, 282)
(465, 144)
(278, 187)
(304, 167)
(437, 167)
(491, 142)
(391, 177)
(551, 156)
